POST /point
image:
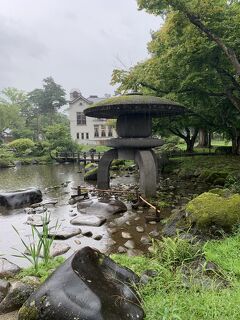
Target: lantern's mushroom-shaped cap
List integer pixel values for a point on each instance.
(134, 103)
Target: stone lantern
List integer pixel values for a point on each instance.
(134, 113)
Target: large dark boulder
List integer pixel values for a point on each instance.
(88, 286)
(20, 198)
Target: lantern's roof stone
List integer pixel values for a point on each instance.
(134, 103)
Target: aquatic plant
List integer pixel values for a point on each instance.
(40, 244)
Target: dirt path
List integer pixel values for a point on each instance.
(9, 316)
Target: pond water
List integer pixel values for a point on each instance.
(59, 182)
(56, 182)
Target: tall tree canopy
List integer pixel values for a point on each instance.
(219, 21)
(190, 66)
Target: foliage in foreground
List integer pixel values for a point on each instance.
(38, 246)
(180, 291)
(44, 270)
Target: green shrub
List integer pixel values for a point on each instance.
(41, 148)
(22, 146)
(4, 163)
(211, 209)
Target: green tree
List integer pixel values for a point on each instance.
(59, 138)
(219, 21)
(185, 66)
(15, 112)
(48, 99)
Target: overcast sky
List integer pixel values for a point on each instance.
(77, 42)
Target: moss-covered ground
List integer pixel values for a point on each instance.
(180, 290)
(204, 166)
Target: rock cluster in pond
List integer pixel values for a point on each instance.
(102, 207)
(20, 198)
(89, 285)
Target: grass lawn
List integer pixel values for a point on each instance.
(205, 164)
(214, 143)
(172, 296)
(86, 148)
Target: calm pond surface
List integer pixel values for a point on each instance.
(65, 178)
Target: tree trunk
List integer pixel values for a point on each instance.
(190, 145)
(203, 138)
(236, 142)
(190, 141)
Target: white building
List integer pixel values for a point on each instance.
(87, 130)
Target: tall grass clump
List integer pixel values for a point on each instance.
(38, 246)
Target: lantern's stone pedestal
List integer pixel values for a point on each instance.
(132, 149)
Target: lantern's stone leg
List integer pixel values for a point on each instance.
(148, 172)
(103, 179)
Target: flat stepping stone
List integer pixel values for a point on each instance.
(64, 233)
(139, 229)
(7, 268)
(58, 249)
(38, 220)
(92, 221)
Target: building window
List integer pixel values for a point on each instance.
(77, 135)
(87, 135)
(81, 118)
(82, 136)
(103, 131)
(110, 132)
(96, 131)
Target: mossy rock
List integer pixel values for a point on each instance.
(90, 166)
(210, 209)
(91, 175)
(225, 193)
(118, 163)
